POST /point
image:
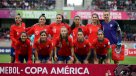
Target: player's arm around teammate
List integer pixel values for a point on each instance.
(15, 31)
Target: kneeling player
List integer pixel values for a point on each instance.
(43, 49)
(63, 55)
(81, 48)
(23, 49)
(101, 46)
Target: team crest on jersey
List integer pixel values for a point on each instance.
(84, 45)
(104, 45)
(36, 32)
(111, 25)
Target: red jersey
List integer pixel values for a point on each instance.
(65, 47)
(44, 49)
(15, 32)
(24, 49)
(55, 28)
(92, 31)
(75, 31)
(101, 47)
(36, 29)
(81, 48)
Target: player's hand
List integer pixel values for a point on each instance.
(78, 62)
(29, 62)
(49, 61)
(55, 58)
(37, 61)
(107, 61)
(16, 61)
(86, 62)
(96, 61)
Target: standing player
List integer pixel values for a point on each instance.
(23, 49)
(43, 49)
(92, 30)
(77, 24)
(81, 48)
(15, 31)
(56, 26)
(37, 28)
(101, 48)
(65, 43)
(111, 30)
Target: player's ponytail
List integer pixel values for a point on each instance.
(42, 15)
(80, 30)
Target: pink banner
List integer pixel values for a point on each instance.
(114, 14)
(7, 13)
(56, 70)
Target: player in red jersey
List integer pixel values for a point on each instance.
(74, 27)
(43, 49)
(15, 31)
(92, 30)
(23, 49)
(37, 28)
(81, 48)
(56, 26)
(64, 43)
(101, 48)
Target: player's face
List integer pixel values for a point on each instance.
(43, 36)
(18, 19)
(42, 20)
(106, 15)
(64, 32)
(80, 36)
(59, 19)
(94, 18)
(100, 36)
(77, 20)
(23, 37)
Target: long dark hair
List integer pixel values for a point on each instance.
(73, 24)
(63, 20)
(41, 34)
(98, 22)
(20, 36)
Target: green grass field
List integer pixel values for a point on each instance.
(5, 58)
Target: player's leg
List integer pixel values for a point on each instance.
(79, 59)
(69, 60)
(21, 58)
(61, 59)
(12, 54)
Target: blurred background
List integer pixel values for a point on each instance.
(123, 11)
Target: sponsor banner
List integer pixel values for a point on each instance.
(117, 15)
(4, 50)
(66, 14)
(57, 70)
(36, 14)
(7, 13)
(130, 52)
